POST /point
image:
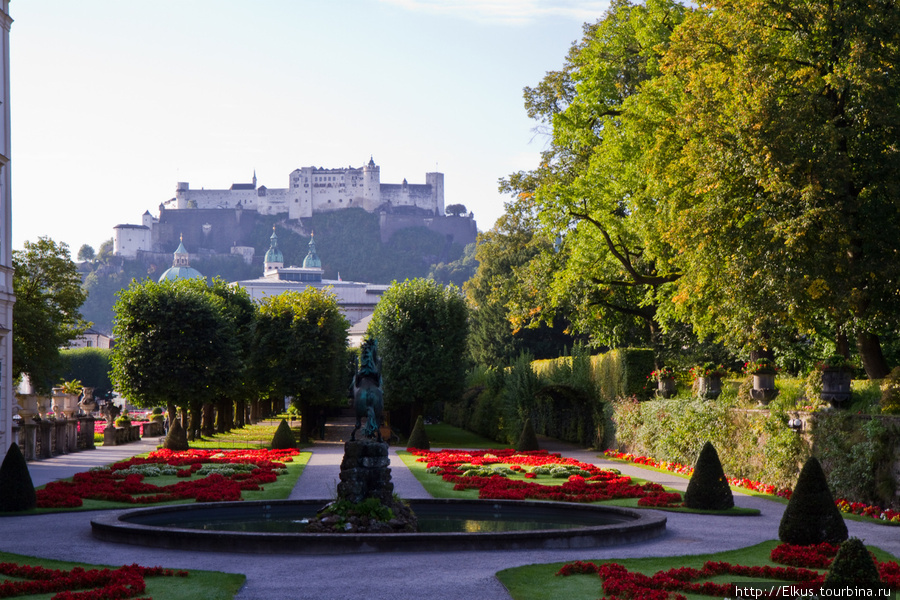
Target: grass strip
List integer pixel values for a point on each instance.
(442, 435)
(198, 585)
(539, 581)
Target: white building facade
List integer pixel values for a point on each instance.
(316, 190)
(7, 299)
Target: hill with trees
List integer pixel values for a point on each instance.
(348, 242)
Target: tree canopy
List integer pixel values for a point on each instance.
(732, 168)
(174, 344)
(47, 312)
(299, 350)
(421, 329)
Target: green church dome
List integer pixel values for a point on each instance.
(274, 255)
(312, 259)
(181, 268)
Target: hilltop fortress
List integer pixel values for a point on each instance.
(221, 221)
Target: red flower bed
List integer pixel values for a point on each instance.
(856, 508)
(109, 484)
(620, 583)
(94, 584)
(599, 485)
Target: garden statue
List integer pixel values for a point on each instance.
(367, 397)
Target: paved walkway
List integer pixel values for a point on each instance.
(394, 576)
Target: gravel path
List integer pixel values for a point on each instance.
(394, 576)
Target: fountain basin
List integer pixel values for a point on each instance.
(180, 527)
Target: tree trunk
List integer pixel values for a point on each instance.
(254, 411)
(306, 417)
(240, 414)
(207, 426)
(842, 344)
(220, 416)
(184, 418)
(194, 427)
(869, 347)
(171, 410)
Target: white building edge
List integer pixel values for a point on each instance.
(7, 299)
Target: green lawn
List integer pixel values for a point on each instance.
(198, 585)
(539, 582)
(442, 435)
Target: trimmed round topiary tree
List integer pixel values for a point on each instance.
(16, 488)
(528, 440)
(708, 488)
(177, 438)
(418, 439)
(811, 516)
(283, 438)
(853, 565)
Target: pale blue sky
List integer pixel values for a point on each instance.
(115, 101)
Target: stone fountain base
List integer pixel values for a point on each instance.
(365, 475)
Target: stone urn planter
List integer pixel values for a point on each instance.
(836, 388)
(709, 388)
(28, 406)
(64, 404)
(764, 390)
(665, 388)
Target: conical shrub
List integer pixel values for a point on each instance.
(283, 438)
(16, 488)
(853, 565)
(811, 516)
(418, 439)
(177, 438)
(528, 439)
(708, 488)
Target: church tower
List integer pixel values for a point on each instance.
(274, 258)
(371, 186)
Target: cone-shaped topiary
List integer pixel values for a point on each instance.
(418, 439)
(528, 440)
(708, 488)
(283, 438)
(177, 438)
(853, 565)
(16, 488)
(811, 516)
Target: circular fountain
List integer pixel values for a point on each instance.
(444, 525)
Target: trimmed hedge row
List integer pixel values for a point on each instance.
(565, 398)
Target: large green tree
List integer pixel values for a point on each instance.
(777, 150)
(498, 331)
(46, 316)
(421, 329)
(589, 192)
(299, 350)
(174, 345)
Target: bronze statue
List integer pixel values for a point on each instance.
(367, 397)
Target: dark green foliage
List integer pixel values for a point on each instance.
(283, 438)
(91, 366)
(565, 413)
(177, 437)
(528, 440)
(418, 439)
(48, 292)
(853, 565)
(421, 328)
(811, 516)
(708, 488)
(16, 489)
(623, 373)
